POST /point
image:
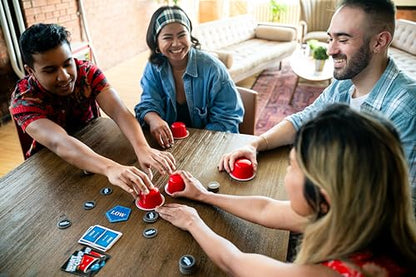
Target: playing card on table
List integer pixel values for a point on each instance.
(100, 237)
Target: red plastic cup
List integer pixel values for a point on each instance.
(179, 130)
(150, 200)
(175, 183)
(243, 169)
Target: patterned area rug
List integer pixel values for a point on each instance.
(274, 87)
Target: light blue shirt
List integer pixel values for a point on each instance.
(394, 96)
(213, 100)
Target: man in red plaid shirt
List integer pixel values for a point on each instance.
(62, 94)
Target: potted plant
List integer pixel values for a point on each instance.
(320, 56)
(276, 9)
(312, 44)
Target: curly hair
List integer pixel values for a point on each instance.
(40, 38)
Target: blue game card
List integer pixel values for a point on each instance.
(93, 234)
(106, 239)
(100, 237)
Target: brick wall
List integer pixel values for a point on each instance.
(63, 12)
(117, 28)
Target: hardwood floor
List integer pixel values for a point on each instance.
(125, 77)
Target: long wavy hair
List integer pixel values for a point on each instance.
(359, 161)
(151, 39)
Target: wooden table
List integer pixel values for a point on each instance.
(35, 195)
(304, 67)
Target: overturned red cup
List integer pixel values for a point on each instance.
(179, 130)
(175, 183)
(151, 200)
(243, 169)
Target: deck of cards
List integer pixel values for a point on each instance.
(100, 237)
(85, 262)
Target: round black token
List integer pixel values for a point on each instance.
(214, 186)
(64, 223)
(187, 264)
(150, 233)
(89, 205)
(106, 191)
(150, 217)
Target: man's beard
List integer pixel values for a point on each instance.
(356, 63)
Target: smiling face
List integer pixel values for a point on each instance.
(294, 184)
(55, 70)
(349, 43)
(174, 42)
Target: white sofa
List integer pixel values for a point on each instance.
(244, 46)
(403, 47)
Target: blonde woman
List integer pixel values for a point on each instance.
(349, 194)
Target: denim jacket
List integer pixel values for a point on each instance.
(394, 96)
(213, 100)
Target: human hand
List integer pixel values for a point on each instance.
(160, 130)
(227, 160)
(179, 215)
(162, 161)
(129, 178)
(193, 187)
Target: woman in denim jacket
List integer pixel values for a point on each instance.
(182, 83)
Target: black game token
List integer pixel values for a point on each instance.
(64, 223)
(214, 186)
(150, 217)
(89, 205)
(149, 233)
(187, 264)
(106, 191)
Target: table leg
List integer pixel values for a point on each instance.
(294, 89)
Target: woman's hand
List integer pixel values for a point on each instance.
(179, 215)
(160, 130)
(193, 187)
(227, 160)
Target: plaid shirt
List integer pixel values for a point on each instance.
(30, 101)
(394, 96)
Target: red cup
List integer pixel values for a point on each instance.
(175, 183)
(179, 129)
(243, 169)
(150, 200)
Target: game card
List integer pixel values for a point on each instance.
(85, 262)
(100, 237)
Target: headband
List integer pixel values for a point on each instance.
(170, 16)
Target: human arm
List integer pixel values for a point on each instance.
(148, 157)
(281, 134)
(70, 149)
(226, 255)
(225, 108)
(153, 109)
(263, 210)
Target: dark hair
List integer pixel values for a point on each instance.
(381, 13)
(40, 38)
(151, 39)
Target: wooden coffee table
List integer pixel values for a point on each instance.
(304, 67)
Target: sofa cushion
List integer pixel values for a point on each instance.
(404, 61)
(405, 36)
(275, 33)
(222, 33)
(255, 52)
(225, 57)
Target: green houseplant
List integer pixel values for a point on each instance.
(320, 56)
(276, 9)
